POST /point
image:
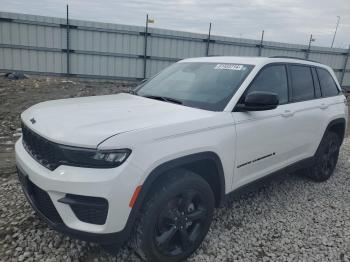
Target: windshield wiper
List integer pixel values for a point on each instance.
(166, 99)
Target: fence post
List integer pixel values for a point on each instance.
(68, 49)
(208, 41)
(309, 47)
(261, 43)
(344, 67)
(145, 49)
(336, 29)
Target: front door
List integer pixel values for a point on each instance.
(264, 138)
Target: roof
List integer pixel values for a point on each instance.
(249, 60)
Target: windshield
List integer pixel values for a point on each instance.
(207, 86)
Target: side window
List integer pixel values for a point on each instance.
(316, 83)
(272, 79)
(328, 86)
(302, 83)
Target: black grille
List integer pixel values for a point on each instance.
(42, 150)
(44, 203)
(39, 199)
(88, 209)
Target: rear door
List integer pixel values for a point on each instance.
(308, 114)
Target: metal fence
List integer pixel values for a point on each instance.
(51, 45)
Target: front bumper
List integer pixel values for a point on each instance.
(114, 185)
(52, 218)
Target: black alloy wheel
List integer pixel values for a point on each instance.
(326, 158)
(175, 219)
(180, 223)
(330, 157)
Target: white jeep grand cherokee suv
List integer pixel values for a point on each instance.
(150, 166)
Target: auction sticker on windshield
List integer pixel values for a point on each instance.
(230, 67)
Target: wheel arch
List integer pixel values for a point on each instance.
(206, 164)
(337, 126)
(217, 183)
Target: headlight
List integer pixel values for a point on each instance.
(92, 158)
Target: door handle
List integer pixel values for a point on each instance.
(323, 106)
(287, 113)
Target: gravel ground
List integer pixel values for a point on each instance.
(287, 219)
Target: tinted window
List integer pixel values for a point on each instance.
(272, 79)
(316, 83)
(328, 85)
(302, 83)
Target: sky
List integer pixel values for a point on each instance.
(290, 21)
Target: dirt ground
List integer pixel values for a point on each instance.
(18, 95)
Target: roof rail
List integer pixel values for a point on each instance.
(292, 57)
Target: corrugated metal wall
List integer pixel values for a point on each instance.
(39, 44)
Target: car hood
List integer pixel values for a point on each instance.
(88, 121)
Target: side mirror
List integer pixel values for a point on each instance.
(258, 101)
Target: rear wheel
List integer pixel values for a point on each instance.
(175, 219)
(326, 158)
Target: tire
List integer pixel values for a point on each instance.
(326, 158)
(175, 219)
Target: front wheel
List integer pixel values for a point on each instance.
(326, 158)
(175, 219)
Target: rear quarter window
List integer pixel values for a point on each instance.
(328, 86)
